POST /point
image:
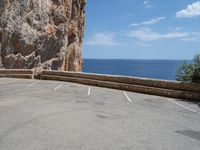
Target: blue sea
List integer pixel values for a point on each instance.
(158, 69)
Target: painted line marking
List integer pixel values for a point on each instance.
(127, 97)
(89, 90)
(33, 83)
(56, 88)
(185, 107)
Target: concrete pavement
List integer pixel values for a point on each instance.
(49, 115)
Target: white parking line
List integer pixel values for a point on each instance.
(89, 89)
(185, 107)
(56, 88)
(33, 83)
(127, 97)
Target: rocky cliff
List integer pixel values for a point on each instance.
(43, 34)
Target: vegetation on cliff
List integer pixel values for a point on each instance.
(190, 72)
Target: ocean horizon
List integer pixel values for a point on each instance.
(164, 69)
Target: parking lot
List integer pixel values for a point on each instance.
(55, 115)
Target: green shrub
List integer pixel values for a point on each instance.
(196, 69)
(184, 72)
(189, 72)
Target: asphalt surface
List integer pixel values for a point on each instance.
(53, 115)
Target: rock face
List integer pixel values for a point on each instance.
(42, 34)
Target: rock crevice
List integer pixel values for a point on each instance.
(43, 34)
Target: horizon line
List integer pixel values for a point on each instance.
(133, 59)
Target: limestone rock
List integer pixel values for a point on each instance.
(44, 34)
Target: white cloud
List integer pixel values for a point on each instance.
(142, 44)
(172, 35)
(103, 39)
(149, 22)
(147, 4)
(146, 34)
(192, 10)
(124, 17)
(194, 36)
(178, 29)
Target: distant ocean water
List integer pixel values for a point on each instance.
(158, 69)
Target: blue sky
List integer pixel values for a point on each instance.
(142, 29)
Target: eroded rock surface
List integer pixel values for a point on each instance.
(43, 34)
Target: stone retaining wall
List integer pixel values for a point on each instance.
(15, 73)
(173, 89)
(172, 85)
(129, 87)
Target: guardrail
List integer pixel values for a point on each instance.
(187, 91)
(17, 73)
(173, 89)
